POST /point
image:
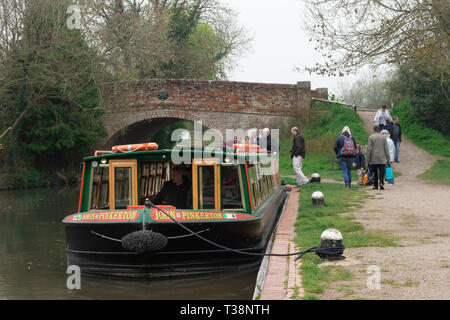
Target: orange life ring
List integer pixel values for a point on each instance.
(135, 147)
(247, 147)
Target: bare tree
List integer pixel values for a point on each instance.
(368, 92)
(137, 40)
(352, 33)
(129, 35)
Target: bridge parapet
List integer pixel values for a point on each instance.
(219, 104)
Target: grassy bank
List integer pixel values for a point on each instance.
(429, 140)
(312, 221)
(320, 135)
(439, 172)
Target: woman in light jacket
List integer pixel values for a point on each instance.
(382, 117)
(391, 147)
(391, 144)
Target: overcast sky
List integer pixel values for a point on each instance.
(279, 44)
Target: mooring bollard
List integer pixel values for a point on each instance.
(318, 199)
(331, 247)
(315, 177)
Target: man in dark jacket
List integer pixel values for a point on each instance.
(396, 135)
(297, 155)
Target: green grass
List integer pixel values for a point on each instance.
(429, 140)
(439, 172)
(312, 221)
(330, 123)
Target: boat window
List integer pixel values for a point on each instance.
(206, 187)
(231, 187)
(267, 179)
(99, 198)
(123, 183)
(261, 183)
(122, 187)
(152, 175)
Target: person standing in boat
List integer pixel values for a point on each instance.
(173, 192)
(298, 153)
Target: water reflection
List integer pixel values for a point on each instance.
(33, 259)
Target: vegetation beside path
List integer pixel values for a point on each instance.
(427, 139)
(313, 220)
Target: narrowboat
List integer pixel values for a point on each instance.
(135, 191)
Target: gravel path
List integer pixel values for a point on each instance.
(419, 213)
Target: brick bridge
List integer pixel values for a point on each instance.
(136, 110)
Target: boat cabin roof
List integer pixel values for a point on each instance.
(164, 154)
(215, 180)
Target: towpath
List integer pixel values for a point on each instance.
(282, 279)
(416, 211)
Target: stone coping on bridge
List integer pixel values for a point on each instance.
(299, 84)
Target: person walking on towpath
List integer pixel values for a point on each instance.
(298, 153)
(345, 149)
(396, 135)
(377, 156)
(382, 118)
(360, 163)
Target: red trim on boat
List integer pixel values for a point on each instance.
(81, 188)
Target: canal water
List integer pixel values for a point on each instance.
(33, 259)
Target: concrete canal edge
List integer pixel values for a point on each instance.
(279, 276)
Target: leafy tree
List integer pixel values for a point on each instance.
(50, 90)
(429, 101)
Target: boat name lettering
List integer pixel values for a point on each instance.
(106, 216)
(188, 216)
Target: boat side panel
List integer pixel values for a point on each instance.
(86, 187)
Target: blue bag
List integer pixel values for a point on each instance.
(389, 173)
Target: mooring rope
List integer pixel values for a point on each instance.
(300, 254)
(318, 250)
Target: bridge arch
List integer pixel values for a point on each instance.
(143, 127)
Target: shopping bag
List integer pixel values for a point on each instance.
(389, 173)
(365, 176)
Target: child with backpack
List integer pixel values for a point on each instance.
(360, 163)
(345, 149)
